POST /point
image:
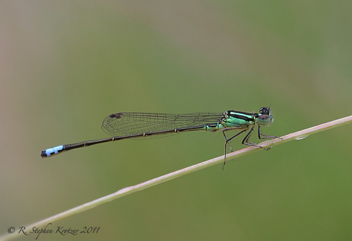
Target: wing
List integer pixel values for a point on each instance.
(128, 123)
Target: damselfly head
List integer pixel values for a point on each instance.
(264, 116)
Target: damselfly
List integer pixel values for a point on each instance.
(128, 125)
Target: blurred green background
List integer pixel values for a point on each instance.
(66, 65)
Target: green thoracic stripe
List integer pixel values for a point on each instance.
(242, 117)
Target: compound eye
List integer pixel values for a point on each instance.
(264, 111)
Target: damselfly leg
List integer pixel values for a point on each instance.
(227, 141)
(263, 136)
(245, 140)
